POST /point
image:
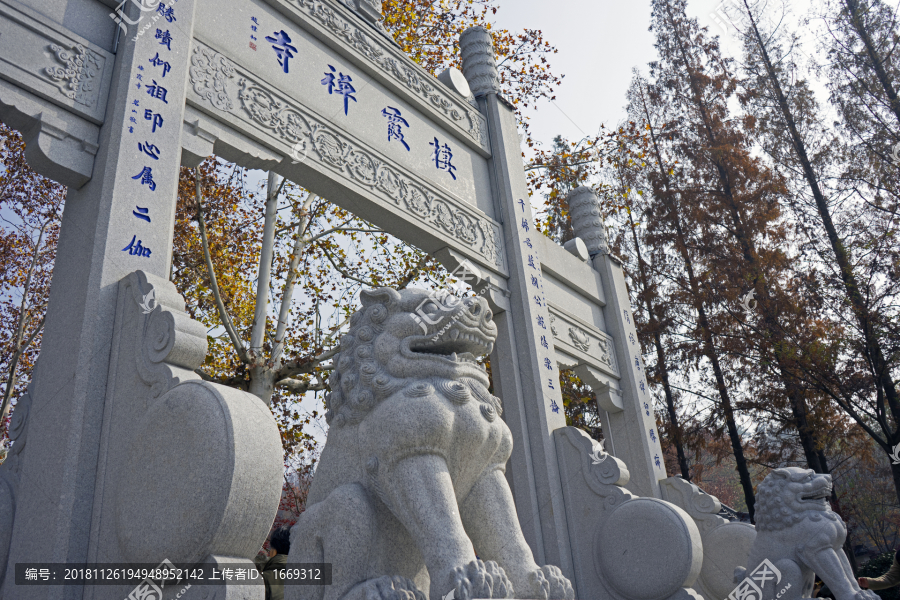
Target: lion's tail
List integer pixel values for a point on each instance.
(739, 574)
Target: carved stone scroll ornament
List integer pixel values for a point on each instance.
(416, 80)
(77, 78)
(209, 72)
(336, 151)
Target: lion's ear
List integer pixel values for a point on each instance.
(783, 473)
(382, 295)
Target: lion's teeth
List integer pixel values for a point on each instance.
(453, 357)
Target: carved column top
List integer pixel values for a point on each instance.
(584, 207)
(479, 65)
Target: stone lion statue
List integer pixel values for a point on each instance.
(798, 536)
(411, 480)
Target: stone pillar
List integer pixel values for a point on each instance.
(529, 383)
(120, 221)
(632, 433)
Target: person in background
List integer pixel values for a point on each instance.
(889, 579)
(279, 547)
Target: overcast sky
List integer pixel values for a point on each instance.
(599, 42)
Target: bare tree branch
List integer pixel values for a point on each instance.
(220, 306)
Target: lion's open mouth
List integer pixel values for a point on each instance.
(821, 496)
(458, 344)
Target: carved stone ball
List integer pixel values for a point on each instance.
(584, 208)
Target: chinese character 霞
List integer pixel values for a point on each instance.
(396, 123)
(281, 43)
(341, 86)
(146, 177)
(442, 157)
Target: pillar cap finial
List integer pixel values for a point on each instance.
(584, 209)
(479, 65)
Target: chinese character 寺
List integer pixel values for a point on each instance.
(149, 149)
(146, 177)
(167, 13)
(156, 118)
(442, 157)
(165, 38)
(156, 61)
(340, 85)
(548, 363)
(281, 43)
(396, 123)
(157, 91)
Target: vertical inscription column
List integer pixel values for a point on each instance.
(120, 221)
(523, 363)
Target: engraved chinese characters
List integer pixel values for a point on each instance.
(153, 92)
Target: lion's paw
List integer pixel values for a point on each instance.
(391, 588)
(548, 583)
(481, 579)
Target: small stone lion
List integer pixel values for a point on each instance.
(411, 479)
(798, 534)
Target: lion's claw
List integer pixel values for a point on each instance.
(481, 579)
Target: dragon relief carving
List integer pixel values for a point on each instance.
(76, 79)
(415, 454)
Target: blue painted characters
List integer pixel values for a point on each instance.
(141, 213)
(165, 38)
(281, 43)
(156, 61)
(146, 177)
(136, 249)
(341, 85)
(396, 123)
(442, 157)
